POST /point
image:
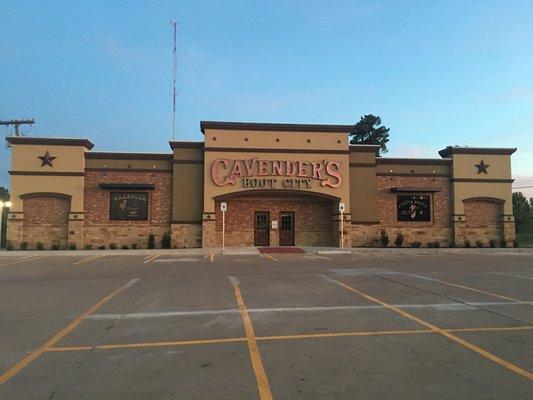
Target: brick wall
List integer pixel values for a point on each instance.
(438, 229)
(312, 221)
(482, 222)
(100, 230)
(46, 221)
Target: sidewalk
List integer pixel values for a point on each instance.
(251, 250)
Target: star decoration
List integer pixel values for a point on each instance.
(482, 167)
(47, 159)
(308, 140)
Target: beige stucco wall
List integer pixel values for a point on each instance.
(292, 146)
(25, 159)
(482, 185)
(267, 139)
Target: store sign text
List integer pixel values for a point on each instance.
(261, 174)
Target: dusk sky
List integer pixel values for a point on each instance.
(437, 72)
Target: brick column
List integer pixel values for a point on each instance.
(75, 229)
(15, 224)
(508, 229)
(209, 230)
(186, 236)
(458, 230)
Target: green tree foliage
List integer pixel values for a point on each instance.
(370, 131)
(4, 194)
(522, 210)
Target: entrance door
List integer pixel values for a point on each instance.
(261, 228)
(286, 232)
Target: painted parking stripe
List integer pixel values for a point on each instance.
(255, 355)
(150, 259)
(269, 256)
(92, 258)
(470, 306)
(449, 335)
(285, 337)
(24, 259)
(10, 373)
(172, 260)
(512, 275)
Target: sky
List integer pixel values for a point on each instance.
(438, 73)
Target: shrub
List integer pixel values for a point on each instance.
(134, 245)
(124, 247)
(39, 245)
(9, 245)
(23, 246)
(415, 244)
(492, 243)
(399, 239)
(515, 243)
(479, 243)
(72, 246)
(467, 243)
(383, 238)
(436, 243)
(101, 247)
(165, 241)
(150, 244)
(503, 243)
(430, 244)
(55, 246)
(113, 246)
(88, 247)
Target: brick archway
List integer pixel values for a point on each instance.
(483, 218)
(46, 218)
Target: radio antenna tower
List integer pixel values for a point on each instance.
(175, 70)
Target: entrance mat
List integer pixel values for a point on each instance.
(285, 250)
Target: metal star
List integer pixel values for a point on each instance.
(482, 167)
(47, 159)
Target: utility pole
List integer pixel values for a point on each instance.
(175, 70)
(16, 123)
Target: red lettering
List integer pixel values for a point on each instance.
(291, 169)
(318, 171)
(263, 171)
(224, 162)
(332, 169)
(303, 169)
(277, 168)
(249, 164)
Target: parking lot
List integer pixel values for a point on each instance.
(375, 325)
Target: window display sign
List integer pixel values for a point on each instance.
(414, 208)
(126, 206)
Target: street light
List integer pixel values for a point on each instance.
(3, 204)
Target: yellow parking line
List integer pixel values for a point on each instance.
(257, 363)
(148, 344)
(269, 256)
(447, 334)
(286, 337)
(477, 290)
(152, 258)
(29, 258)
(10, 373)
(321, 257)
(92, 258)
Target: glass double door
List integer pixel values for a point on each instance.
(262, 228)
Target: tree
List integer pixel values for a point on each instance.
(522, 211)
(370, 131)
(4, 194)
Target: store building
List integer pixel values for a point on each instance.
(282, 184)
